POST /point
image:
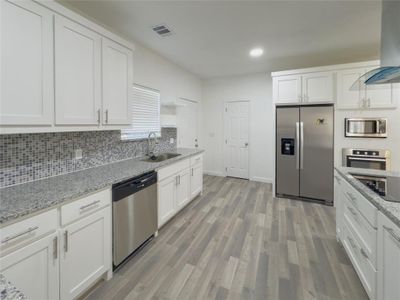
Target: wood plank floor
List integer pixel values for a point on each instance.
(237, 242)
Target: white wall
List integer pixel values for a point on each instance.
(392, 142)
(257, 88)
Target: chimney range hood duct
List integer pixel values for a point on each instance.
(389, 72)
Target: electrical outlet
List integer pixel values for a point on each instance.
(171, 140)
(78, 153)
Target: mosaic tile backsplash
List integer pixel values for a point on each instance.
(27, 157)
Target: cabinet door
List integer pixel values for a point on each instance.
(117, 83)
(86, 253)
(388, 259)
(381, 95)
(287, 89)
(318, 87)
(196, 180)
(77, 73)
(166, 199)
(33, 269)
(26, 64)
(183, 195)
(349, 98)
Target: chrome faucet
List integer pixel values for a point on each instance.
(151, 152)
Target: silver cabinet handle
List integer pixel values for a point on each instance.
(179, 179)
(297, 145)
(305, 97)
(192, 172)
(353, 245)
(89, 205)
(55, 247)
(299, 97)
(362, 251)
(301, 145)
(352, 211)
(66, 241)
(352, 197)
(9, 238)
(176, 180)
(392, 233)
(107, 116)
(369, 102)
(98, 116)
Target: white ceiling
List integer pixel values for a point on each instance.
(213, 38)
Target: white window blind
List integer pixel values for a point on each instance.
(145, 114)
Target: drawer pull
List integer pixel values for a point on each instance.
(352, 198)
(392, 233)
(352, 211)
(353, 245)
(66, 241)
(30, 229)
(55, 247)
(364, 253)
(89, 205)
(338, 179)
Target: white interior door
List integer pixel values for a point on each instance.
(237, 139)
(187, 124)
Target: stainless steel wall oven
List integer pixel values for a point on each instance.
(366, 159)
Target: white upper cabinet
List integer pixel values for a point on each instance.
(287, 89)
(77, 73)
(372, 96)
(26, 64)
(117, 83)
(307, 88)
(347, 97)
(317, 87)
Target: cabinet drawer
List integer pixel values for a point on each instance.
(198, 159)
(368, 210)
(84, 206)
(366, 272)
(27, 230)
(173, 169)
(365, 234)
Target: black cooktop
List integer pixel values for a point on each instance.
(388, 187)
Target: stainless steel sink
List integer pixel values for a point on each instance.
(161, 157)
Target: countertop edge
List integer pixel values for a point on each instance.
(368, 194)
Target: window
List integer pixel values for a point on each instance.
(145, 114)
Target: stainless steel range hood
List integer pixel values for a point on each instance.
(389, 72)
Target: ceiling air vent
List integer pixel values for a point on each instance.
(162, 30)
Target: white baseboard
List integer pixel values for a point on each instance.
(262, 179)
(213, 173)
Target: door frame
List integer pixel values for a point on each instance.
(224, 143)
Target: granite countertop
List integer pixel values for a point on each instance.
(28, 198)
(390, 209)
(8, 291)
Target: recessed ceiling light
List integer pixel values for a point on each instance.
(256, 52)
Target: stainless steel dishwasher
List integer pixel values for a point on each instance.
(134, 215)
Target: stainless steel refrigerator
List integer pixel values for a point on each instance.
(304, 152)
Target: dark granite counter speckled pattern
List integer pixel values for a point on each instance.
(8, 291)
(28, 198)
(390, 209)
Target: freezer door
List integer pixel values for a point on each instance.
(287, 155)
(316, 148)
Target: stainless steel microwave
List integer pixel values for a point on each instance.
(366, 127)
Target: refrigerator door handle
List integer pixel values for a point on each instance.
(297, 145)
(301, 145)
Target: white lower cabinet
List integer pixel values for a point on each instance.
(86, 254)
(46, 261)
(166, 199)
(34, 269)
(178, 184)
(196, 180)
(388, 259)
